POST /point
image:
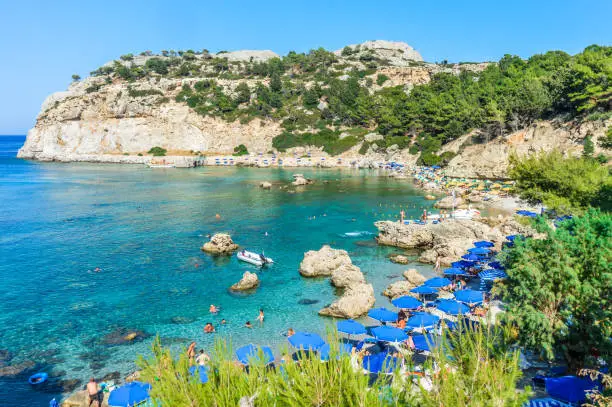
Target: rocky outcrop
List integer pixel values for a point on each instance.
(323, 262)
(124, 336)
(347, 275)
(481, 159)
(398, 289)
(356, 301)
(299, 179)
(449, 202)
(399, 259)
(221, 243)
(447, 240)
(16, 369)
(397, 53)
(414, 277)
(248, 281)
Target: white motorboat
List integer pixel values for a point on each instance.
(256, 259)
(457, 214)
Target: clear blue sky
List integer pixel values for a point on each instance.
(44, 42)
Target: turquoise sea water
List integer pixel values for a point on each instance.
(144, 228)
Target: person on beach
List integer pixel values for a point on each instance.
(260, 317)
(202, 358)
(213, 309)
(402, 215)
(248, 325)
(437, 267)
(94, 392)
(209, 328)
(410, 342)
(191, 352)
(290, 332)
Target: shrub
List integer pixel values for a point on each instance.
(93, 88)
(240, 150)
(127, 57)
(157, 151)
(138, 93)
(381, 78)
(76, 77)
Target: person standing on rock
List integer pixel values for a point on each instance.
(437, 267)
(93, 392)
(402, 215)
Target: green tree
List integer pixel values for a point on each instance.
(606, 141)
(243, 93)
(591, 78)
(381, 78)
(157, 151)
(76, 77)
(589, 147)
(240, 150)
(127, 57)
(276, 85)
(158, 65)
(564, 184)
(559, 289)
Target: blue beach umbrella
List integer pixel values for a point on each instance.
(491, 275)
(422, 320)
(453, 272)
(252, 352)
(343, 348)
(438, 282)
(129, 394)
(479, 250)
(483, 243)
(469, 296)
(496, 265)
(471, 257)
(306, 340)
(389, 334)
(424, 342)
(382, 315)
(512, 238)
(463, 264)
(407, 302)
(202, 372)
(351, 327)
(452, 307)
(424, 290)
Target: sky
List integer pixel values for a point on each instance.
(44, 42)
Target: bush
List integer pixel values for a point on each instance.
(381, 78)
(157, 151)
(328, 139)
(137, 93)
(240, 150)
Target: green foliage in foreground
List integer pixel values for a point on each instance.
(240, 150)
(559, 289)
(477, 370)
(563, 184)
(157, 151)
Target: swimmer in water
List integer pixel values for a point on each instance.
(248, 325)
(260, 317)
(213, 309)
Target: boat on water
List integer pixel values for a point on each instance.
(457, 214)
(256, 259)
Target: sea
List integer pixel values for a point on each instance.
(142, 229)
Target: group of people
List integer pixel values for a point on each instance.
(201, 358)
(209, 328)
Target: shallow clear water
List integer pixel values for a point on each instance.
(144, 228)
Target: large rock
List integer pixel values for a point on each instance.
(323, 262)
(299, 179)
(247, 282)
(398, 289)
(356, 301)
(449, 202)
(265, 185)
(347, 275)
(221, 243)
(399, 259)
(16, 369)
(414, 277)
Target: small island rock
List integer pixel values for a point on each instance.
(398, 289)
(299, 179)
(265, 185)
(247, 282)
(347, 275)
(449, 202)
(414, 277)
(356, 301)
(221, 243)
(323, 262)
(399, 259)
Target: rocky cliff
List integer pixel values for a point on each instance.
(180, 102)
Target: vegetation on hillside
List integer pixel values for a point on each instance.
(565, 185)
(319, 91)
(475, 368)
(559, 289)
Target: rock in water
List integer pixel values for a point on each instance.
(307, 301)
(398, 289)
(265, 185)
(414, 277)
(123, 336)
(399, 259)
(356, 301)
(347, 275)
(220, 243)
(247, 282)
(16, 369)
(299, 179)
(449, 202)
(323, 262)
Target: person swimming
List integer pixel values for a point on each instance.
(213, 309)
(248, 325)
(209, 328)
